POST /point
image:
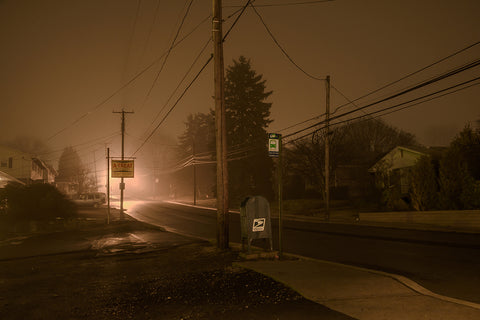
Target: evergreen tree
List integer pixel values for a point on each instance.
(199, 135)
(71, 169)
(247, 118)
(197, 146)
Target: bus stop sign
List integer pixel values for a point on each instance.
(274, 144)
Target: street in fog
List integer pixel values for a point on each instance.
(315, 108)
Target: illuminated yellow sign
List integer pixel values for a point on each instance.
(122, 169)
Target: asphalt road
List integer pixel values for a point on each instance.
(445, 263)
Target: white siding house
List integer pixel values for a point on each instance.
(393, 167)
(23, 166)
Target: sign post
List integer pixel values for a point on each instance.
(122, 169)
(275, 150)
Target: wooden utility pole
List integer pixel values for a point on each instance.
(220, 129)
(108, 185)
(280, 197)
(95, 169)
(327, 149)
(122, 183)
(194, 174)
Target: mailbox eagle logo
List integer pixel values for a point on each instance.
(258, 224)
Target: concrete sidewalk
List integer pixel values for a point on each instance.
(362, 293)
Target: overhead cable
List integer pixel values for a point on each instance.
(175, 104)
(150, 30)
(391, 83)
(167, 55)
(403, 105)
(186, 89)
(281, 48)
(288, 4)
(413, 73)
(180, 82)
(236, 19)
(416, 87)
(129, 82)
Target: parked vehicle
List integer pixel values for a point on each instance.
(93, 199)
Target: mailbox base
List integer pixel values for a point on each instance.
(248, 241)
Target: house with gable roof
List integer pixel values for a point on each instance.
(391, 170)
(25, 167)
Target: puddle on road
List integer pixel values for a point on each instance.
(13, 241)
(138, 242)
(125, 243)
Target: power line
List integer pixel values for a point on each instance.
(132, 34)
(288, 4)
(238, 17)
(302, 122)
(175, 104)
(396, 108)
(90, 142)
(416, 87)
(413, 73)
(427, 100)
(432, 78)
(133, 79)
(423, 97)
(150, 30)
(391, 83)
(190, 84)
(167, 55)
(181, 81)
(281, 48)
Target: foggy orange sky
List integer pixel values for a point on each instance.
(60, 60)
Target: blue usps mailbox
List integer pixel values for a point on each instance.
(255, 221)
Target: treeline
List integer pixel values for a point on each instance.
(445, 180)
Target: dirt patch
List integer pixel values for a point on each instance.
(194, 281)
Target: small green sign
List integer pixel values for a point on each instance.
(274, 144)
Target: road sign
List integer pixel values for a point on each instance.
(274, 144)
(122, 169)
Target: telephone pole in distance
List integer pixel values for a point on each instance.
(327, 149)
(122, 183)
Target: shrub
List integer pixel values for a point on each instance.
(37, 202)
